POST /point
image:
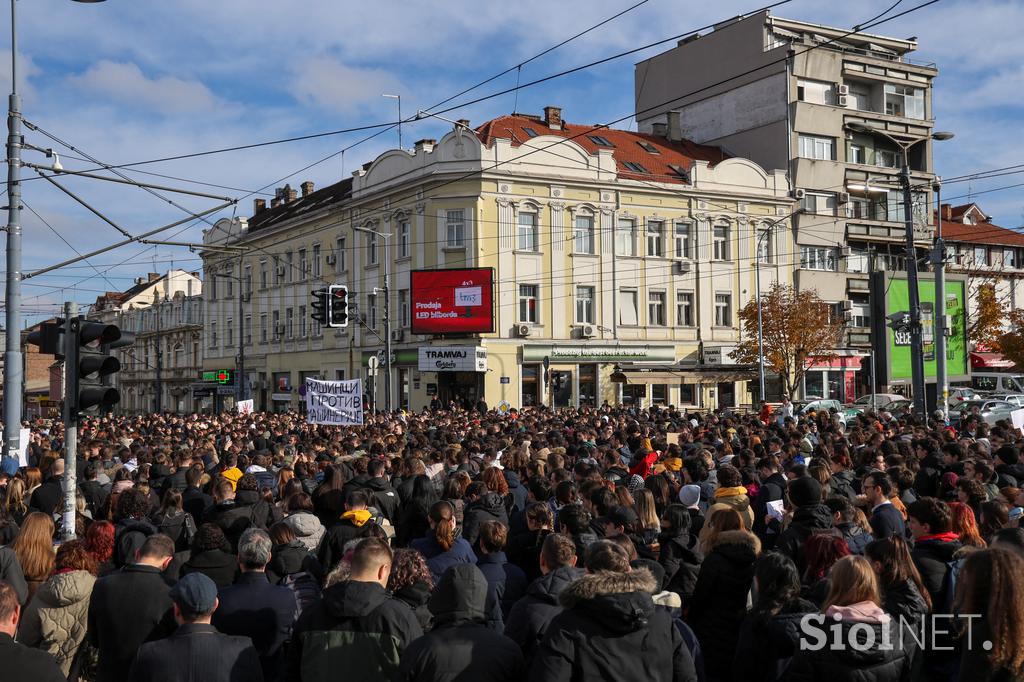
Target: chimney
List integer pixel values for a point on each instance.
(139, 280)
(947, 211)
(275, 202)
(153, 276)
(290, 195)
(258, 205)
(675, 125)
(553, 117)
(659, 129)
(425, 145)
(307, 188)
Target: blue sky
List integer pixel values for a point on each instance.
(132, 80)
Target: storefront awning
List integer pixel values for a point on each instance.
(675, 374)
(990, 361)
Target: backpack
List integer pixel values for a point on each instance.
(305, 588)
(948, 594)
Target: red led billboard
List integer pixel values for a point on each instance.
(452, 301)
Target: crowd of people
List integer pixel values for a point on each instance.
(606, 543)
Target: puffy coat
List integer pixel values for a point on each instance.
(292, 558)
(506, 583)
(807, 521)
(681, 559)
(841, 484)
(438, 560)
(516, 489)
(215, 564)
(307, 528)
(415, 596)
(130, 535)
(57, 618)
(611, 630)
(932, 558)
(767, 643)
(735, 498)
(529, 618)
(904, 599)
(848, 663)
(719, 601)
(383, 498)
(490, 507)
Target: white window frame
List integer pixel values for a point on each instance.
(528, 234)
(683, 239)
(817, 147)
(625, 237)
(372, 257)
(317, 271)
(264, 321)
(303, 265)
(765, 252)
(723, 309)
(684, 309)
(340, 251)
(455, 228)
(720, 247)
(630, 295)
(527, 293)
(821, 258)
(371, 303)
(656, 303)
(656, 238)
(289, 323)
(583, 240)
(818, 203)
(404, 235)
(403, 308)
(585, 304)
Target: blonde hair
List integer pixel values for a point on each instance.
(852, 581)
(643, 504)
(719, 521)
(34, 546)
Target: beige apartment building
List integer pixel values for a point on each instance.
(620, 260)
(788, 94)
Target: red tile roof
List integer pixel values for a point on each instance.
(981, 233)
(626, 147)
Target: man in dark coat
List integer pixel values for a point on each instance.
(529, 618)
(935, 544)
(460, 646)
(47, 496)
(21, 663)
(773, 487)
(254, 608)
(193, 499)
(483, 506)
(809, 518)
(196, 650)
(358, 627)
(232, 518)
(886, 520)
(384, 497)
(93, 491)
(610, 628)
(355, 522)
(131, 607)
(506, 582)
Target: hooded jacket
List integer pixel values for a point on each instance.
(856, 538)
(130, 535)
(529, 618)
(357, 628)
(767, 643)
(490, 507)
(808, 520)
(416, 596)
(932, 558)
(292, 558)
(735, 498)
(516, 489)
(57, 617)
(611, 630)
(384, 497)
(307, 528)
(681, 559)
(438, 559)
(353, 524)
(506, 582)
(461, 647)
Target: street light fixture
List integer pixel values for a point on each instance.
(916, 337)
(399, 98)
(240, 369)
(387, 312)
(757, 277)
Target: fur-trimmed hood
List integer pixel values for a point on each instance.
(603, 583)
(738, 546)
(619, 603)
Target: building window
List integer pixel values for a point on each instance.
(857, 154)
(527, 231)
(371, 303)
(585, 305)
(247, 280)
(903, 100)
(528, 303)
(886, 158)
(684, 308)
(659, 394)
(340, 254)
(656, 308)
(303, 265)
(302, 321)
(600, 141)
(655, 238)
(625, 237)
(248, 330)
(584, 233)
(816, 92)
(404, 234)
(316, 261)
(289, 323)
(813, 147)
(289, 262)
(403, 307)
(263, 274)
(818, 258)
(213, 287)
(275, 324)
(213, 335)
(820, 203)
(723, 310)
(683, 238)
(263, 328)
(278, 271)
(455, 228)
(229, 334)
(530, 385)
(627, 307)
(635, 167)
(1009, 258)
(720, 242)
(981, 255)
(371, 248)
(764, 245)
(229, 283)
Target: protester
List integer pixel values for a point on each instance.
(935, 547)
(506, 583)
(440, 546)
(678, 553)
(211, 555)
(991, 585)
(903, 593)
(34, 550)
(411, 583)
(19, 662)
(810, 516)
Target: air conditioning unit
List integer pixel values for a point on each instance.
(246, 297)
(683, 266)
(799, 193)
(588, 331)
(843, 100)
(331, 259)
(848, 315)
(843, 89)
(523, 330)
(847, 305)
(846, 252)
(843, 198)
(397, 335)
(279, 330)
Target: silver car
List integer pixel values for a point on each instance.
(989, 410)
(1015, 398)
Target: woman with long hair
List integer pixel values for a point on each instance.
(99, 542)
(328, 498)
(857, 642)
(903, 593)
(56, 618)
(771, 629)
(440, 546)
(719, 521)
(174, 522)
(411, 583)
(991, 584)
(14, 500)
(455, 492)
(647, 511)
(964, 525)
(33, 479)
(34, 549)
(821, 552)
(995, 516)
(678, 553)
(412, 523)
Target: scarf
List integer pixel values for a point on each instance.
(730, 492)
(358, 517)
(941, 537)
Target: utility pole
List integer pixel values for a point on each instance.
(387, 323)
(71, 325)
(916, 340)
(13, 370)
(871, 293)
(158, 403)
(938, 259)
(240, 369)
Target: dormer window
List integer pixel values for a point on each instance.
(530, 131)
(648, 147)
(635, 167)
(600, 141)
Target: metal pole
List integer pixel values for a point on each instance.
(240, 370)
(399, 121)
(71, 324)
(939, 263)
(158, 403)
(760, 328)
(13, 369)
(387, 322)
(871, 372)
(916, 344)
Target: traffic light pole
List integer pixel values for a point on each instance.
(13, 370)
(916, 340)
(939, 263)
(158, 403)
(71, 326)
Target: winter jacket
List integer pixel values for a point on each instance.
(129, 536)
(932, 558)
(766, 643)
(292, 558)
(524, 551)
(886, 521)
(383, 497)
(438, 560)
(307, 528)
(490, 507)
(460, 647)
(719, 601)
(196, 651)
(328, 505)
(11, 573)
(841, 484)
(506, 583)
(25, 664)
(178, 527)
(196, 502)
(610, 630)
(262, 514)
(95, 496)
(681, 559)
(529, 618)
(357, 630)
(232, 518)
(415, 596)
(264, 613)
(856, 538)
(772, 488)
(353, 525)
(807, 521)
(904, 599)
(735, 498)
(216, 564)
(57, 617)
(47, 496)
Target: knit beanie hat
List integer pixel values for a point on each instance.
(689, 495)
(804, 491)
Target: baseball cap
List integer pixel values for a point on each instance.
(195, 593)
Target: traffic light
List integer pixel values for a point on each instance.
(49, 337)
(88, 365)
(558, 380)
(337, 306)
(319, 306)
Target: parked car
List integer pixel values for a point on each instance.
(864, 403)
(1015, 398)
(959, 394)
(834, 406)
(989, 410)
(899, 408)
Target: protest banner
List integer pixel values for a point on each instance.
(339, 403)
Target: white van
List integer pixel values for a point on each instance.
(1001, 382)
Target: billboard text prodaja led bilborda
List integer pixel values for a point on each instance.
(458, 301)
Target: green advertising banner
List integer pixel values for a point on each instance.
(954, 307)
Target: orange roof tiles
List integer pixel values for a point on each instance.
(981, 233)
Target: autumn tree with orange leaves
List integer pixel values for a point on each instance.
(799, 330)
(1011, 343)
(986, 327)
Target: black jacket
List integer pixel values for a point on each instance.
(357, 628)
(25, 664)
(807, 521)
(332, 547)
(196, 652)
(932, 558)
(772, 488)
(490, 507)
(720, 598)
(904, 599)
(232, 518)
(95, 496)
(292, 558)
(506, 583)
(460, 647)
(528, 620)
(47, 496)
(886, 521)
(216, 564)
(196, 502)
(383, 497)
(11, 573)
(926, 481)
(254, 609)
(842, 484)
(516, 489)
(767, 643)
(127, 608)
(848, 663)
(523, 550)
(681, 559)
(610, 630)
(415, 596)
(175, 481)
(130, 535)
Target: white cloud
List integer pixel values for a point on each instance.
(126, 83)
(327, 83)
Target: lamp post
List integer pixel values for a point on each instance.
(938, 260)
(399, 98)
(387, 312)
(916, 337)
(14, 372)
(757, 278)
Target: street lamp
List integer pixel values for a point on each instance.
(387, 312)
(757, 276)
(399, 98)
(916, 341)
(240, 369)
(13, 371)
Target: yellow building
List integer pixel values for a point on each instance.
(612, 252)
